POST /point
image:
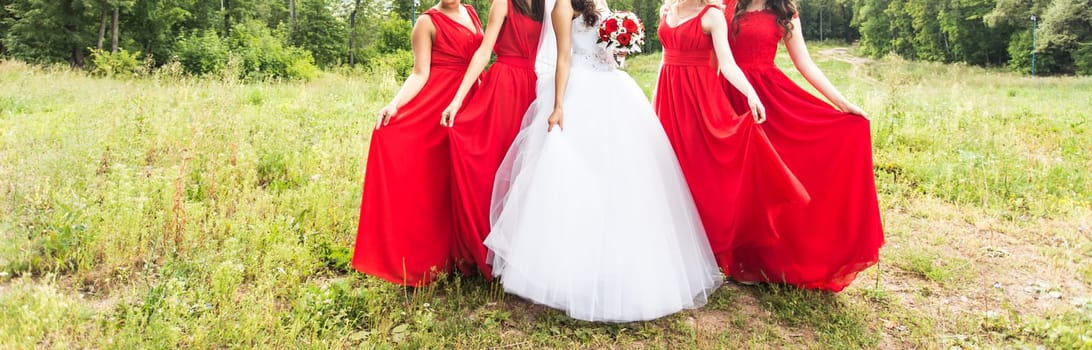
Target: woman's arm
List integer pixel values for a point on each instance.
(497, 14)
(563, 22)
(798, 51)
(714, 23)
(421, 39)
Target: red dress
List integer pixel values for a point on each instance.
(484, 130)
(737, 179)
(405, 216)
(825, 243)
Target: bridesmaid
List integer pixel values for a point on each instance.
(737, 179)
(826, 243)
(405, 216)
(489, 123)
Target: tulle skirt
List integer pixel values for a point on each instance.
(597, 219)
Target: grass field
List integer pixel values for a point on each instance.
(170, 212)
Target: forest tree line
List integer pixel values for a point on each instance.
(296, 38)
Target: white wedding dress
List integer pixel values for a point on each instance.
(597, 219)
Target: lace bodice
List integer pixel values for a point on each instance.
(586, 51)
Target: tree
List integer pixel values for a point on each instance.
(320, 32)
(292, 14)
(827, 20)
(50, 30)
(1064, 34)
(158, 24)
(1067, 28)
(5, 22)
(352, 33)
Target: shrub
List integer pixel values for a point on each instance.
(401, 62)
(1082, 57)
(202, 53)
(263, 55)
(1020, 48)
(303, 69)
(121, 63)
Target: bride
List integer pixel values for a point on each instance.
(591, 213)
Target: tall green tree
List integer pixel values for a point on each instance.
(827, 20)
(5, 23)
(318, 30)
(1066, 32)
(50, 30)
(935, 30)
(162, 22)
(1063, 39)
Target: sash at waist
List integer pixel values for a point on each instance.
(702, 58)
(517, 62)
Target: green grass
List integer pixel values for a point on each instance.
(172, 212)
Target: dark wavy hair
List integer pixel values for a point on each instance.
(785, 10)
(587, 8)
(535, 9)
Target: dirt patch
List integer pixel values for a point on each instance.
(995, 267)
(842, 54)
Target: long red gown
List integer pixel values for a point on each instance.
(484, 130)
(406, 221)
(824, 244)
(737, 179)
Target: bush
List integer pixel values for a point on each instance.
(303, 69)
(393, 35)
(121, 63)
(263, 55)
(202, 53)
(1020, 56)
(401, 62)
(1082, 57)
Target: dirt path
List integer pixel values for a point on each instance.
(842, 54)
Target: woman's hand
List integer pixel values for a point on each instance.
(853, 109)
(385, 116)
(556, 119)
(447, 118)
(758, 111)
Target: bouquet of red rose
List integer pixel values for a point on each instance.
(622, 32)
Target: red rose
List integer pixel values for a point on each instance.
(630, 25)
(604, 35)
(611, 25)
(624, 39)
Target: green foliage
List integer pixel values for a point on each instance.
(1082, 58)
(202, 53)
(122, 63)
(1020, 51)
(400, 62)
(1064, 27)
(393, 35)
(5, 23)
(49, 31)
(981, 32)
(155, 26)
(320, 32)
(264, 55)
(827, 20)
(945, 31)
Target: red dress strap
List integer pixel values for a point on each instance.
(432, 12)
(704, 10)
(474, 17)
